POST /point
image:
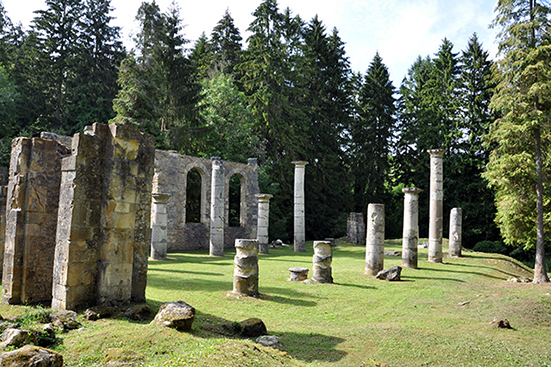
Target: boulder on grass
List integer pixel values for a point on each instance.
(252, 327)
(16, 338)
(99, 312)
(390, 274)
(178, 315)
(65, 320)
(31, 356)
(271, 341)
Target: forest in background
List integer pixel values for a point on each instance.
(286, 93)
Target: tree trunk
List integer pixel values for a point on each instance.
(540, 272)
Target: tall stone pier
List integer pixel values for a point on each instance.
(436, 205)
(323, 257)
(158, 226)
(245, 275)
(455, 231)
(217, 206)
(375, 239)
(263, 221)
(410, 234)
(299, 205)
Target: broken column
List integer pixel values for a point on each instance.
(263, 221)
(158, 226)
(104, 218)
(355, 229)
(323, 257)
(3, 196)
(31, 219)
(410, 234)
(216, 244)
(375, 245)
(245, 275)
(455, 232)
(436, 205)
(299, 207)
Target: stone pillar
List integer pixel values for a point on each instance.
(263, 221)
(355, 229)
(216, 245)
(299, 225)
(3, 196)
(31, 220)
(323, 256)
(158, 226)
(410, 234)
(245, 275)
(375, 240)
(436, 205)
(455, 231)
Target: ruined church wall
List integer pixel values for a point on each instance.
(171, 172)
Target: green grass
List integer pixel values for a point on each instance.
(357, 321)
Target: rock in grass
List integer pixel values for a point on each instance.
(98, 312)
(65, 320)
(16, 338)
(390, 274)
(31, 356)
(271, 341)
(138, 312)
(500, 324)
(178, 315)
(252, 327)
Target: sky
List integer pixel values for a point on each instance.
(400, 30)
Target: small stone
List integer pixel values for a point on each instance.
(138, 312)
(500, 324)
(65, 320)
(31, 355)
(390, 274)
(463, 303)
(252, 327)
(298, 273)
(178, 315)
(98, 312)
(271, 341)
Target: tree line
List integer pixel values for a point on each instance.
(288, 93)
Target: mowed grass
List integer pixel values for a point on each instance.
(437, 315)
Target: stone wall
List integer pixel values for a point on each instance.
(171, 174)
(31, 219)
(103, 227)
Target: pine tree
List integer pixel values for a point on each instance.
(517, 169)
(225, 45)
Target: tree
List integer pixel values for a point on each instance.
(517, 169)
(225, 44)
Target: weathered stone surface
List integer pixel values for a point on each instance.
(299, 226)
(99, 312)
(178, 315)
(375, 239)
(31, 356)
(245, 275)
(436, 219)
(456, 232)
(171, 175)
(322, 259)
(31, 219)
(158, 226)
(298, 274)
(410, 232)
(65, 320)
(271, 341)
(390, 274)
(139, 312)
(252, 327)
(16, 337)
(355, 229)
(263, 222)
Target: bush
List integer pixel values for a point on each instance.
(494, 247)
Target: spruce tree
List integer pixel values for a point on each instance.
(518, 169)
(225, 45)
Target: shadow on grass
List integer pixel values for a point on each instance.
(486, 267)
(464, 272)
(186, 271)
(355, 285)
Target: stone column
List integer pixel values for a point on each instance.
(323, 256)
(375, 245)
(299, 226)
(455, 231)
(355, 229)
(410, 234)
(245, 275)
(263, 221)
(216, 246)
(436, 205)
(158, 226)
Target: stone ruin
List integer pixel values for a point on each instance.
(355, 229)
(78, 214)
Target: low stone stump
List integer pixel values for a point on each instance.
(390, 274)
(323, 257)
(252, 327)
(31, 355)
(178, 315)
(298, 274)
(245, 275)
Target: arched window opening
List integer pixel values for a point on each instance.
(234, 219)
(193, 196)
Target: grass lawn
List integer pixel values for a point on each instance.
(437, 315)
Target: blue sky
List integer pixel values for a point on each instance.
(400, 30)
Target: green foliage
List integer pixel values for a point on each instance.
(495, 247)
